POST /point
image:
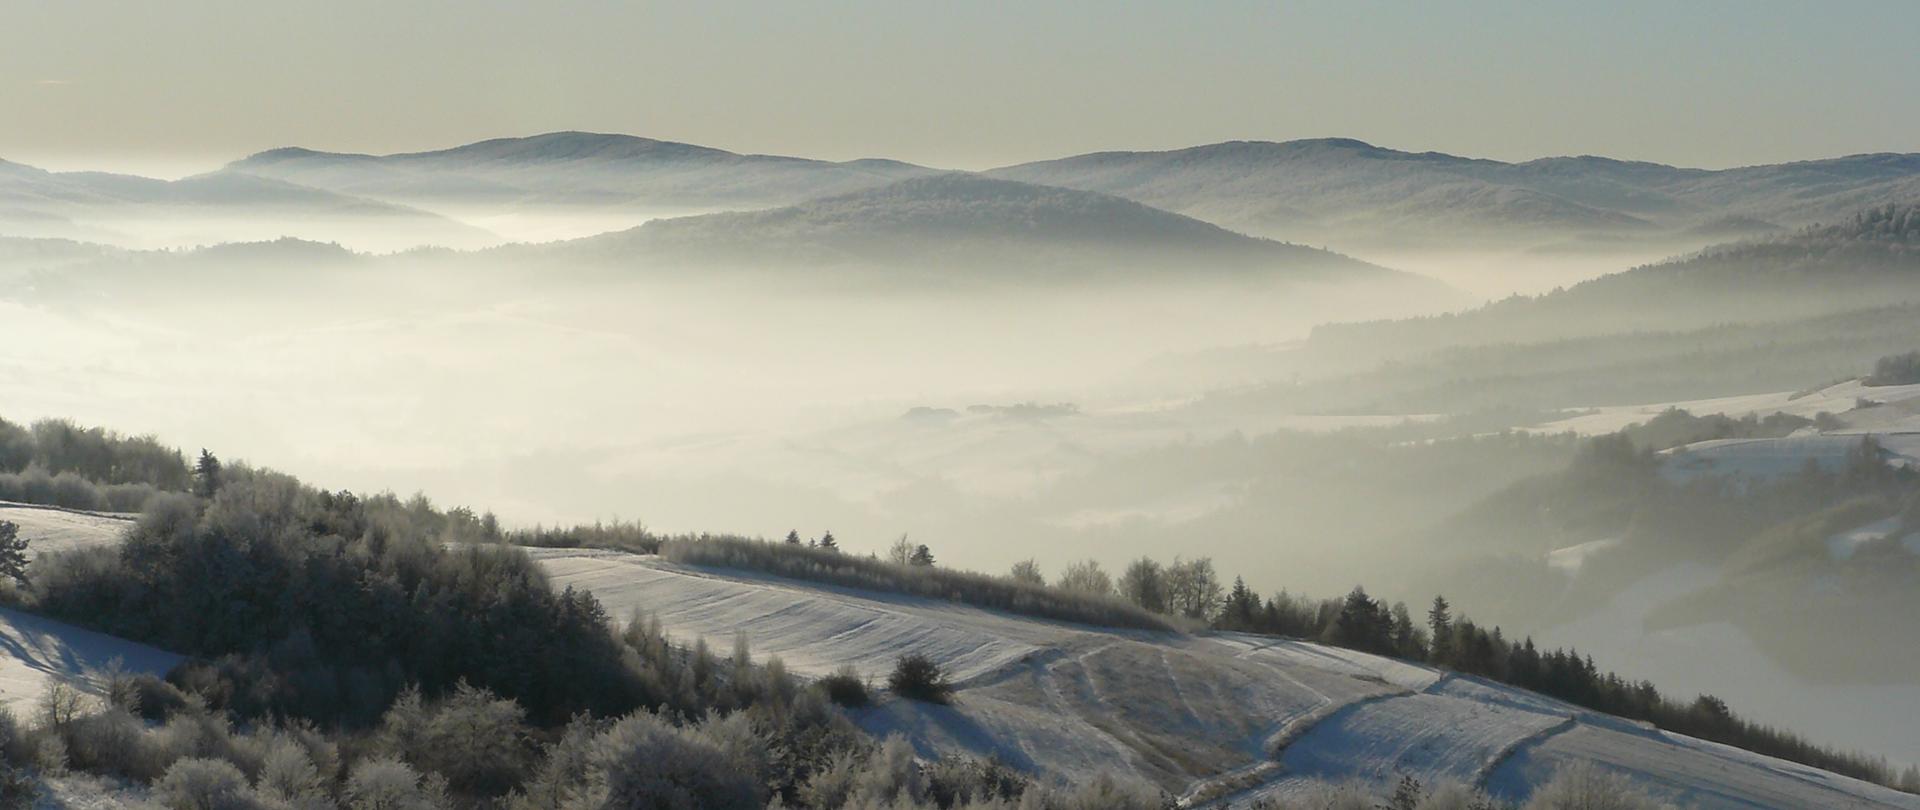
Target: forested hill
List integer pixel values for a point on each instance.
(1871, 259)
(961, 222)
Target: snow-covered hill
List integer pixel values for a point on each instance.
(36, 652)
(1215, 718)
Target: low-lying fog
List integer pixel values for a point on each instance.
(725, 404)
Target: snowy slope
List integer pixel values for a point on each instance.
(1220, 718)
(36, 652)
(1837, 398)
(51, 528)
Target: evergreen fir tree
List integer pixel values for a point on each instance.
(206, 474)
(13, 553)
(1440, 623)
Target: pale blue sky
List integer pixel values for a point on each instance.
(191, 83)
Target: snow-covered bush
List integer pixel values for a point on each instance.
(476, 740)
(917, 677)
(203, 784)
(383, 783)
(845, 688)
(1585, 786)
(645, 762)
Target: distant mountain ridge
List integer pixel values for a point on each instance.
(973, 225)
(577, 168)
(1342, 190)
(101, 206)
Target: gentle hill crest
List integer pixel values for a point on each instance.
(972, 224)
(577, 168)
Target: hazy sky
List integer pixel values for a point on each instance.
(191, 83)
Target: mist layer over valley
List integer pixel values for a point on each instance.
(1623, 407)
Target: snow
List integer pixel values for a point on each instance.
(1721, 659)
(52, 528)
(1215, 719)
(1837, 398)
(36, 652)
(1687, 771)
(1842, 546)
(1569, 560)
(1757, 459)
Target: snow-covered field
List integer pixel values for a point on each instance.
(1835, 399)
(1217, 718)
(36, 652)
(51, 528)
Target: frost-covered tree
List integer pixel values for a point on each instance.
(13, 553)
(1027, 572)
(1144, 584)
(1086, 577)
(921, 556)
(901, 552)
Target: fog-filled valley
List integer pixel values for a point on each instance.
(1664, 416)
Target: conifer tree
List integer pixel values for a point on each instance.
(1440, 623)
(13, 553)
(206, 474)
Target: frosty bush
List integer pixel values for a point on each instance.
(1586, 786)
(203, 784)
(845, 688)
(388, 784)
(645, 762)
(917, 677)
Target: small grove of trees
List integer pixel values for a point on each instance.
(57, 463)
(1358, 621)
(1084, 595)
(1896, 369)
(57, 446)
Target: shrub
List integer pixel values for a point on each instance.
(203, 784)
(1586, 786)
(647, 763)
(917, 677)
(956, 781)
(845, 688)
(383, 783)
(287, 774)
(19, 789)
(475, 740)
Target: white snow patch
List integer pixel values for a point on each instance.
(1837, 398)
(1569, 560)
(1217, 718)
(36, 652)
(51, 528)
(1843, 545)
(1761, 459)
